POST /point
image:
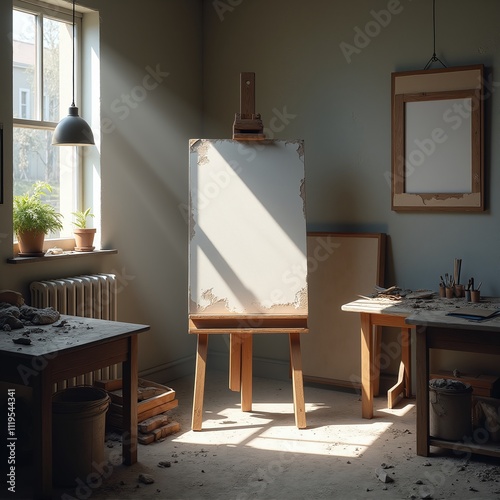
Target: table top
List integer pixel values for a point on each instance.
(432, 311)
(442, 319)
(69, 333)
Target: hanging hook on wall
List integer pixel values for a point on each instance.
(434, 58)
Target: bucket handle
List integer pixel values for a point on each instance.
(438, 408)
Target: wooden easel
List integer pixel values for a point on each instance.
(241, 329)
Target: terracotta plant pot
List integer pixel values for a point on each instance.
(84, 239)
(30, 243)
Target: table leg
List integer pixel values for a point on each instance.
(130, 386)
(422, 360)
(246, 372)
(406, 358)
(42, 433)
(199, 381)
(377, 338)
(234, 362)
(297, 381)
(367, 366)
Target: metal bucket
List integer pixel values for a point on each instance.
(450, 409)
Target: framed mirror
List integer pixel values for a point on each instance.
(437, 140)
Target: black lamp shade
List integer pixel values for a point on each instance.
(73, 131)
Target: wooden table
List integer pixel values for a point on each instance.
(241, 330)
(436, 330)
(378, 313)
(58, 353)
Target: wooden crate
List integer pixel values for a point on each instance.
(152, 399)
(482, 385)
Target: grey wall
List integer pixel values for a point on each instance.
(144, 169)
(341, 109)
(305, 89)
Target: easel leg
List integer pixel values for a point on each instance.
(199, 381)
(234, 362)
(246, 372)
(297, 381)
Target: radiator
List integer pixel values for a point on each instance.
(90, 296)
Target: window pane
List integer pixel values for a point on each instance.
(57, 69)
(35, 159)
(24, 59)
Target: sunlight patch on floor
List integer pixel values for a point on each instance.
(398, 412)
(272, 427)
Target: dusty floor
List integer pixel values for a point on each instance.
(262, 455)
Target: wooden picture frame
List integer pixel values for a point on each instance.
(437, 140)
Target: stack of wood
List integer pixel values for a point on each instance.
(153, 402)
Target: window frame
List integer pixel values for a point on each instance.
(43, 10)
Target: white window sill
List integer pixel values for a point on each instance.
(67, 254)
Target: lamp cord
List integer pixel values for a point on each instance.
(434, 58)
(73, 75)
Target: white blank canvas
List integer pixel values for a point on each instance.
(247, 251)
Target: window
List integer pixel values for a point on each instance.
(42, 82)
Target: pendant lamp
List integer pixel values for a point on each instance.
(73, 130)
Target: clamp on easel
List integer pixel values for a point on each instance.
(247, 124)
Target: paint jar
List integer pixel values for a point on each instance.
(450, 292)
(475, 296)
(467, 295)
(442, 291)
(459, 290)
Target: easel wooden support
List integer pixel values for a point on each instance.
(247, 124)
(241, 330)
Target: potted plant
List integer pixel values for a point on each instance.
(33, 219)
(84, 236)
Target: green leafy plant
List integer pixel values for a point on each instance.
(32, 214)
(81, 218)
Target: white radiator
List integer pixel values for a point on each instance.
(90, 296)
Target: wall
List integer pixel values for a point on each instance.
(154, 57)
(339, 103)
(306, 88)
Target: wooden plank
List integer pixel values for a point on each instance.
(115, 415)
(109, 385)
(160, 433)
(396, 392)
(153, 423)
(149, 394)
(247, 93)
(247, 323)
